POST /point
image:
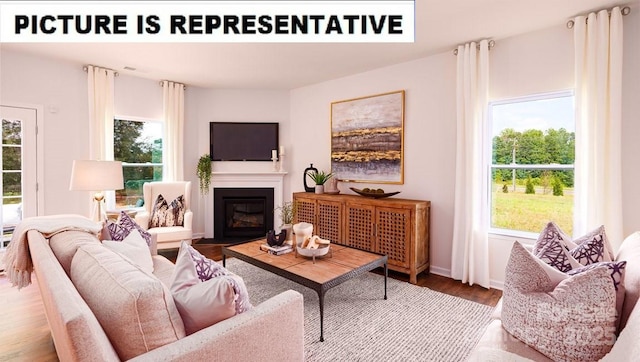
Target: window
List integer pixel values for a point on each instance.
(533, 151)
(138, 144)
(11, 177)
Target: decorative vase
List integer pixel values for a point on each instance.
(288, 229)
(319, 189)
(332, 186)
(302, 230)
(304, 177)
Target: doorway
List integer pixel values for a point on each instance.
(18, 158)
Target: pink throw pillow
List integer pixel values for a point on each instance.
(204, 291)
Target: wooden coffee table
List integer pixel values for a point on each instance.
(339, 265)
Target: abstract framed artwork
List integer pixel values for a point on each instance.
(367, 138)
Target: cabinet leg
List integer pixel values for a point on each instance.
(413, 278)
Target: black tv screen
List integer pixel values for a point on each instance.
(245, 141)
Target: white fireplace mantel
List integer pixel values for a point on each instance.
(237, 179)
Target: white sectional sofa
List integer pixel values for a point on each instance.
(153, 328)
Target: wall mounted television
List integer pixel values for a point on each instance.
(242, 141)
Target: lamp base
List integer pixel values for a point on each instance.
(99, 213)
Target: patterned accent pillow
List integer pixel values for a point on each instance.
(164, 214)
(208, 269)
(573, 319)
(557, 249)
(119, 230)
(592, 248)
(551, 248)
(205, 268)
(192, 270)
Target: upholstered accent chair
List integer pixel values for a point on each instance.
(168, 237)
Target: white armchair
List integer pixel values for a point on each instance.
(167, 237)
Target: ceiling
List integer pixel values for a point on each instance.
(440, 26)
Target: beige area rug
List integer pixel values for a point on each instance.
(413, 324)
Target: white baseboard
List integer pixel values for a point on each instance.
(440, 271)
(494, 284)
(497, 284)
(198, 236)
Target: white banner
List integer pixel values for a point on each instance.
(208, 21)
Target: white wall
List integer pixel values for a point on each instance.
(631, 122)
(532, 63)
(429, 130)
(203, 106)
(60, 88)
(138, 97)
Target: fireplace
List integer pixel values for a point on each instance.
(242, 213)
(227, 178)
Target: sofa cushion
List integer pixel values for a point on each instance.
(496, 344)
(167, 214)
(204, 291)
(627, 347)
(65, 244)
(574, 319)
(135, 309)
(133, 247)
(630, 252)
(120, 229)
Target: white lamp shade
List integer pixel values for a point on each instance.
(89, 175)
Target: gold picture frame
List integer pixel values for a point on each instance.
(367, 138)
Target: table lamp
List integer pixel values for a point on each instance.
(96, 176)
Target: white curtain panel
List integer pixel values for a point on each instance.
(470, 246)
(101, 113)
(598, 170)
(173, 98)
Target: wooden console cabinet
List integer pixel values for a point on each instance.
(398, 228)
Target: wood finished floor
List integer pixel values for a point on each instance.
(25, 335)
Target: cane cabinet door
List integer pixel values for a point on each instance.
(359, 226)
(393, 234)
(329, 220)
(305, 210)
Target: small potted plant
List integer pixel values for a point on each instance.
(319, 177)
(287, 215)
(204, 173)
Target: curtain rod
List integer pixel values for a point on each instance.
(86, 69)
(625, 11)
(492, 43)
(162, 84)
